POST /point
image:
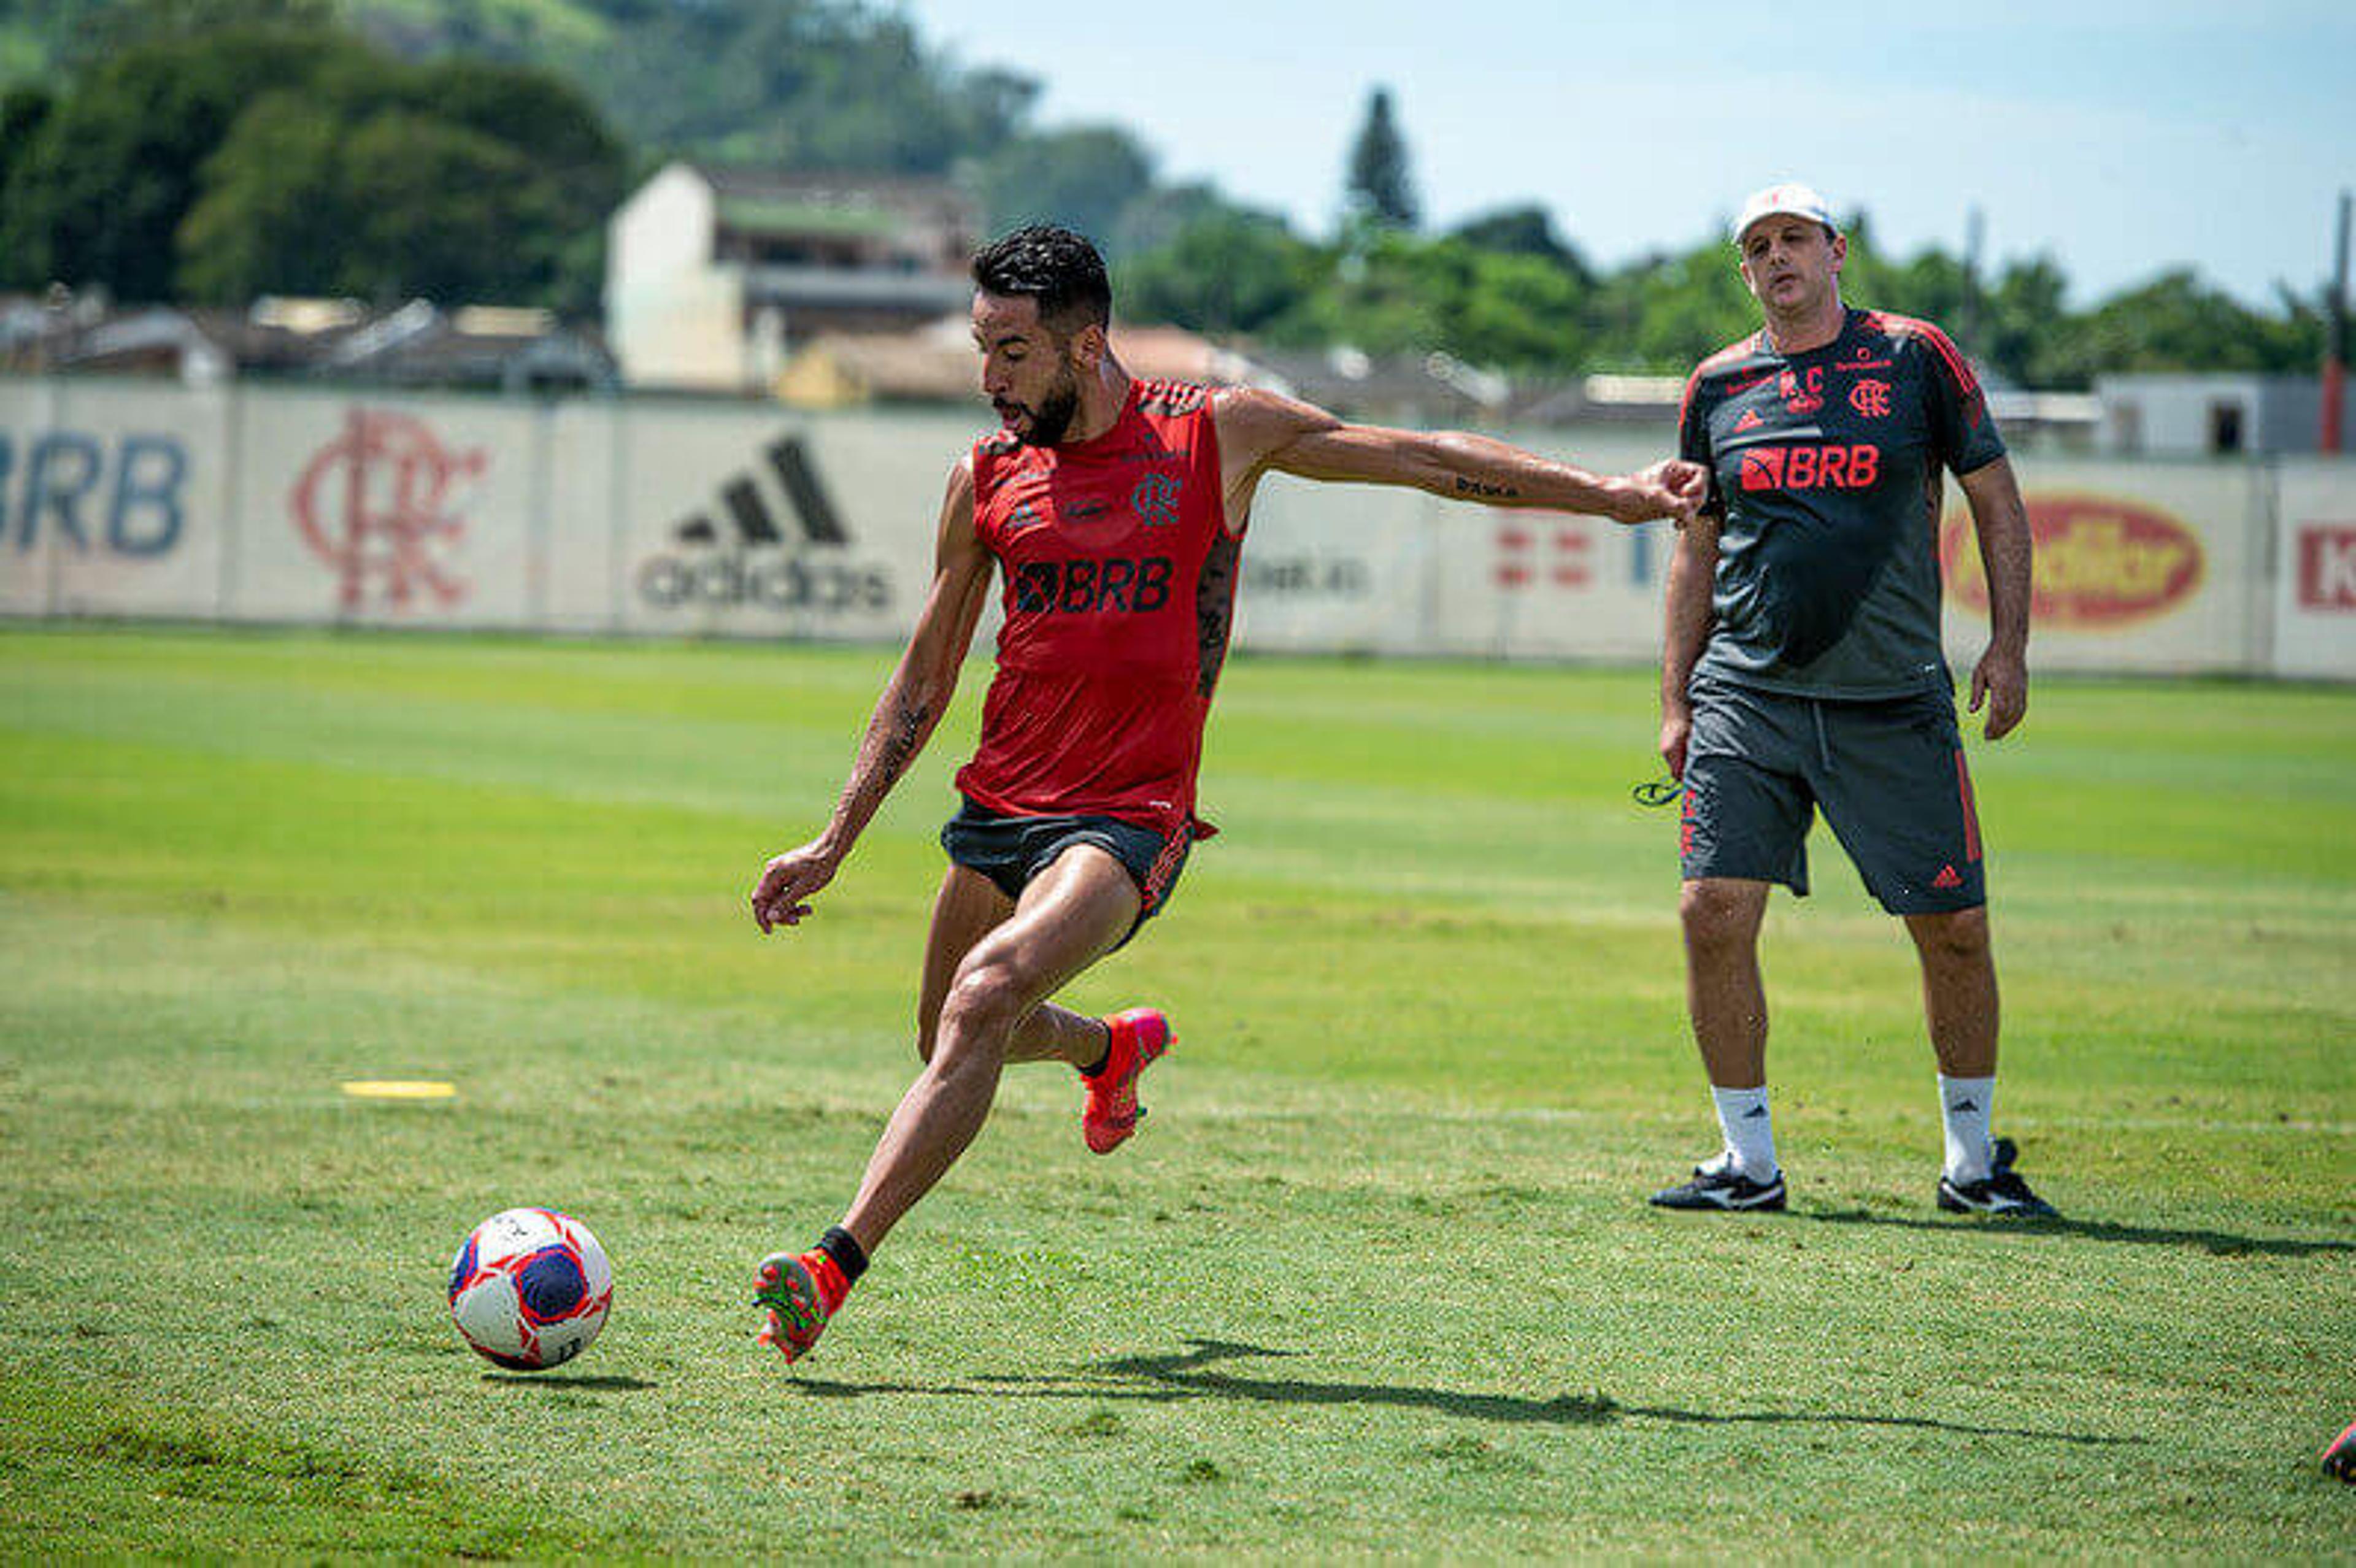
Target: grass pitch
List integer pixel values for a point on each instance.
(1376, 1277)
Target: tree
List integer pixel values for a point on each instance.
(1378, 185)
(1227, 271)
(813, 84)
(1082, 178)
(1527, 231)
(1158, 215)
(2178, 322)
(22, 110)
(457, 180)
(102, 30)
(1663, 314)
(111, 171)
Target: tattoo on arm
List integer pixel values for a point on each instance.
(901, 740)
(1469, 487)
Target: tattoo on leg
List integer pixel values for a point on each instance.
(1469, 486)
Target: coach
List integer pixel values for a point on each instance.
(1802, 670)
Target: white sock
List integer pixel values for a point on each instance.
(1963, 1107)
(1750, 1132)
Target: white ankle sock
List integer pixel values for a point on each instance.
(1963, 1107)
(1750, 1132)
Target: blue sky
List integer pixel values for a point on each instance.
(2121, 139)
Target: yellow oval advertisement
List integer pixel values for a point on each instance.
(2103, 562)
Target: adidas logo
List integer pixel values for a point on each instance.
(1948, 877)
(1754, 1114)
(750, 512)
(1961, 1106)
(744, 557)
(1749, 421)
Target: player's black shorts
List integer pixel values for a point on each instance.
(1011, 850)
(1889, 777)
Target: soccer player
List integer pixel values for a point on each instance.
(1115, 509)
(1802, 667)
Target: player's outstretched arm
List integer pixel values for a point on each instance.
(911, 704)
(1262, 430)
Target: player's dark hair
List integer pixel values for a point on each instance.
(1059, 269)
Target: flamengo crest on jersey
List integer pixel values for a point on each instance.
(1826, 473)
(1118, 588)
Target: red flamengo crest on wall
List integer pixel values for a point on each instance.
(2103, 562)
(376, 504)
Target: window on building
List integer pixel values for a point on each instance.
(2224, 429)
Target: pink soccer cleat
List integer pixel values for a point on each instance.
(1140, 1036)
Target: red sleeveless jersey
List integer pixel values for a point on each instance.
(1120, 584)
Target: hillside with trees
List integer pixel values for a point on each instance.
(211, 150)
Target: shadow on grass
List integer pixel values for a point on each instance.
(1191, 1374)
(558, 1380)
(2223, 1243)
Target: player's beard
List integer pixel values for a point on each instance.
(1053, 418)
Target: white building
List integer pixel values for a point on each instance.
(713, 275)
(2227, 415)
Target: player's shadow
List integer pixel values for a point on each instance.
(607, 1383)
(2223, 1243)
(1195, 1374)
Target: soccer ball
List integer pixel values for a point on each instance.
(531, 1288)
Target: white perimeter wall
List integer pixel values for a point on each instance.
(123, 498)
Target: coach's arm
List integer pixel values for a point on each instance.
(1693, 571)
(2000, 518)
(911, 706)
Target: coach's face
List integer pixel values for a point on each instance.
(1029, 372)
(1791, 264)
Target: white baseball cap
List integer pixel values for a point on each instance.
(1797, 200)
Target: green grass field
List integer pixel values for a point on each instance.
(1378, 1276)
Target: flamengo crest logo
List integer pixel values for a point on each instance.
(379, 506)
(1870, 397)
(746, 558)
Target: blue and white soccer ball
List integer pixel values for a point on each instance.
(531, 1288)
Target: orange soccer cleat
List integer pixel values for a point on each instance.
(801, 1294)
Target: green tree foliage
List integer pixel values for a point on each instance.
(1083, 178)
(1664, 313)
(22, 111)
(298, 159)
(1378, 185)
(2176, 321)
(1224, 270)
(811, 84)
(100, 191)
(1527, 231)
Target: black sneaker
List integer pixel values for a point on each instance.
(2000, 1193)
(1723, 1188)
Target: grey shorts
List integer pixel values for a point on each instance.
(1011, 850)
(1889, 777)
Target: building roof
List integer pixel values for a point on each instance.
(936, 363)
(756, 197)
(417, 345)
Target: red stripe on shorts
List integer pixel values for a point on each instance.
(1971, 811)
(1165, 867)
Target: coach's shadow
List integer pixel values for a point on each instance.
(1193, 1374)
(2222, 1243)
